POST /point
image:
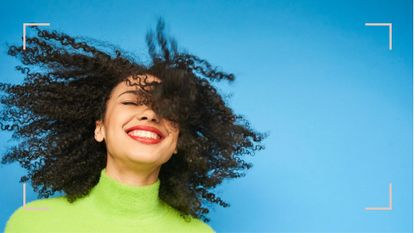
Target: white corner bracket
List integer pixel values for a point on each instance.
(24, 202)
(383, 25)
(30, 24)
(390, 202)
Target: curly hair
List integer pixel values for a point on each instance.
(67, 83)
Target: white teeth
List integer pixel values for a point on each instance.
(144, 134)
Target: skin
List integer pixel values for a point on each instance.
(130, 161)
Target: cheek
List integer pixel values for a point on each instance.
(171, 128)
(116, 121)
(171, 141)
(174, 134)
(175, 137)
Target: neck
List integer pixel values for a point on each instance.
(112, 196)
(135, 175)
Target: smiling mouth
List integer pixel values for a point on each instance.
(145, 134)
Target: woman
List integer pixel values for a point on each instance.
(135, 147)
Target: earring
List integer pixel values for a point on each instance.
(175, 151)
(98, 139)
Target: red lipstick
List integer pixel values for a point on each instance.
(146, 140)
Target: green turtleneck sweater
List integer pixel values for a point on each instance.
(110, 207)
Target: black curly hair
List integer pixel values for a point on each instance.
(68, 81)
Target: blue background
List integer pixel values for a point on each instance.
(336, 101)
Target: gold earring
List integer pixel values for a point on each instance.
(175, 151)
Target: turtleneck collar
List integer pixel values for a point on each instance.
(112, 196)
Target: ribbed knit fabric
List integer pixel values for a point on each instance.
(111, 206)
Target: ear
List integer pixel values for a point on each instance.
(99, 131)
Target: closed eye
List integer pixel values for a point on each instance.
(129, 103)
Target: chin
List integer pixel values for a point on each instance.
(143, 158)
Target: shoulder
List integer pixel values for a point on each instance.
(190, 224)
(200, 226)
(35, 214)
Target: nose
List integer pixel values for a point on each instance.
(149, 115)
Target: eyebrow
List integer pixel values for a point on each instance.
(133, 92)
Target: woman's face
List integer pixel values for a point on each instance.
(134, 134)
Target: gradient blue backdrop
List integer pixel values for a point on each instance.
(336, 101)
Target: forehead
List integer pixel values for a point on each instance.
(134, 83)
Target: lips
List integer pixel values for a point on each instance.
(146, 140)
